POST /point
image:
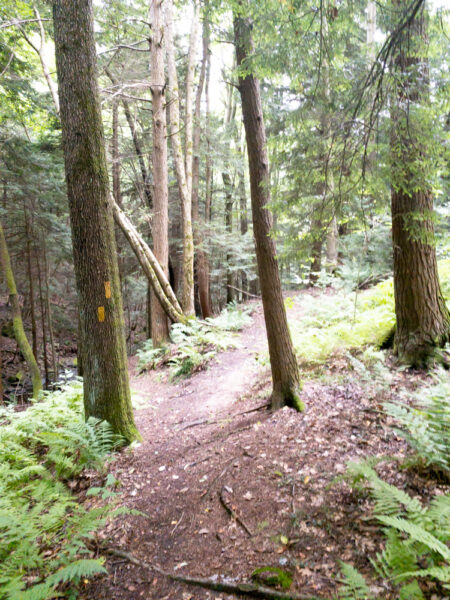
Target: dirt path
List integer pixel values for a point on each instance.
(204, 446)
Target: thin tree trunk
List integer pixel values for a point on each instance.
(285, 373)
(106, 385)
(43, 324)
(332, 252)
(160, 325)
(49, 314)
(189, 113)
(198, 223)
(115, 154)
(31, 281)
(136, 143)
(183, 175)
(40, 51)
(19, 332)
(316, 247)
(229, 229)
(243, 219)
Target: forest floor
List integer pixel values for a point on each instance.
(208, 444)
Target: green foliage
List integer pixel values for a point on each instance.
(342, 321)
(353, 585)
(196, 342)
(273, 576)
(426, 424)
(43, 530)
(417, 537)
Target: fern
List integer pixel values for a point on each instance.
(426, 426)
(195, 343)
(353, 584)
(415, 535)
(39, 450)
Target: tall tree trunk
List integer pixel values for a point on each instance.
(160, 326)
(48, 310)
(31, 280)
(115, 154)
(243, 219)
(316, 247)
(19, 332)
(189, 112)
(423, 320)
(285, 373)
(43, 324)
(203, 270)
(106, 385)
(200, 255)
(183, 175)
(332, 251)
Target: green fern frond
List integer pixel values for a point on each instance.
(85, 567)
(417, 533)
(353, 584)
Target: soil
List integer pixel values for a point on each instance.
(209, 442)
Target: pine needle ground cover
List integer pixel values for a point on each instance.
(44, 531)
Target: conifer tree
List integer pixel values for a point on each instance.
(106, 386)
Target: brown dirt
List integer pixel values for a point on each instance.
(274, 470)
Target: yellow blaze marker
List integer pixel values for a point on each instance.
(107, 289)
(101, 313)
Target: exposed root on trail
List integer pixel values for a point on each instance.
(252, 590)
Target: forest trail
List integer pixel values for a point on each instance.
(208, 447)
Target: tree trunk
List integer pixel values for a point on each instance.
(19, 332)
(48, 310)
(31, 281)
(203, 270)
(332, 252)
(423, 320)
(106, 386)
(243, 224)
(43, 325)
(153, 270)
(316, 248)
(285, 373)
(136, 143)
(229, 229)
(183, 175)
(160, 326)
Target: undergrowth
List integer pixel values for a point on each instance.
(416, 555)
(343, 321)
(195, 343)
(44, 531)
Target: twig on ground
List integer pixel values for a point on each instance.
(209, 422)
(233, 514)
(218, 477)
(241, 589)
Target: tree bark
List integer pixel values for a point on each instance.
(183, 175)
(200, 256)
(160, 326)
(31, 280)
(422, 317)
(153, 270)
(285, 373)
(106, 385)
(43, 324)
(19, 332)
